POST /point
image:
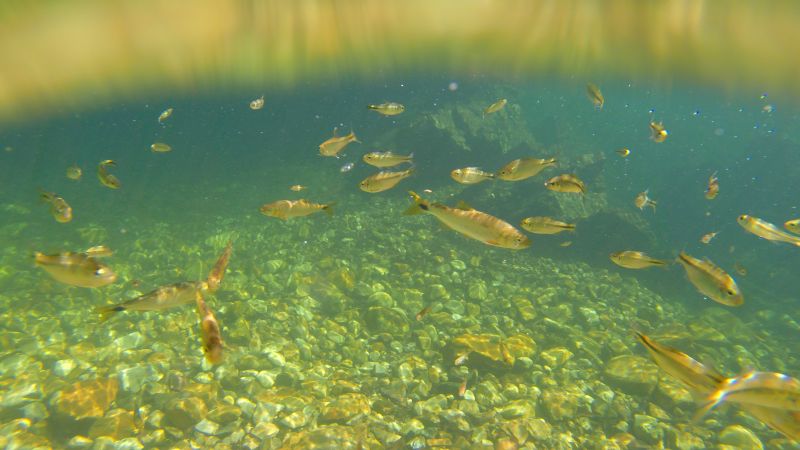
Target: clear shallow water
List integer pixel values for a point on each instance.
(290, 284)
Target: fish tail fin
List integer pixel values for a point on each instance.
(420, 205)
(410, 157)
(46, 196)
(355, 138)
(107, 311)
(328, 208)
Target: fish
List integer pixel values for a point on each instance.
(740, 269)
(785, 422)
(161, 298)
(566, 183)
(494, 107)
(470, 175)
(59, 207)
(642, 200)
(107, 179)
(347, 167)
(699, 378)
(297, 187)
(708, 237)
(388, 108)
(595, 95)
(657, 132)
(288, 209)
(209, 331)
(461, 359)
(792, 225)
(160, 147)
(624, 152)
(711, 281)
(217, 273)
(766, 230)
(334, 145)
(631, 259)
(386, 159)
(164, 115)
(565, 244)
(764, 389)
(257, 104)
(383, 181)
(462, 388)
(423, 312)
(76, 269)
(99, 251)
(712, 190)
(524, 168)
(545, 225)
(472, 223)
(74, 172)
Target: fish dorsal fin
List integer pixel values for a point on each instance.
(335, 130)
(464, 206)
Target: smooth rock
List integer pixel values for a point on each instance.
(132, 379)
(225, 413)
(265, 379)
(185, 412)
(130, 443)
(634, 375)
(381, 299)
(129, 341)
(247, 406)
(84, 399)
(345, 407)
(740, 438)
(647, 428)
(79, 442)
(264, 430)
(64, 367)
(207, 427)
(295, 420)
(117, 424)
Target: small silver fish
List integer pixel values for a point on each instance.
(347, 167)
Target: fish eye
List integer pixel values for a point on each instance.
(100, 272)
(743, 217)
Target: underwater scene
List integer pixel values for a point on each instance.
(435, 257)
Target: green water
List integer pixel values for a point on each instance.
(306, 289)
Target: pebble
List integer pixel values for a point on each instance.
(276, 359)
(458, 264)
(207, 427)
(248, 407)
(79, 442)
(635, 375)
(129, 341)
(265, 379)
(64, 367)
(128, 444)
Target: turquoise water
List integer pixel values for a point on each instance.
(306, 289)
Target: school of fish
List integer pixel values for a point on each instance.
(773, 398)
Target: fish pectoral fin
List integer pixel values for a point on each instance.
(413, 210)
(462, 205)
